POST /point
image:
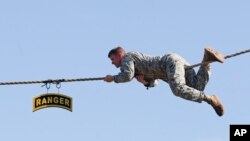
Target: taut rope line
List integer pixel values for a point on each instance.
(56, 81)
(226, 57)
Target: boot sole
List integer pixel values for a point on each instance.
(218, 107)
(215, 54)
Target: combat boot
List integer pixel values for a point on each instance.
(216, 104)
(211, 55)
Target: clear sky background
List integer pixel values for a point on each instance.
(54, 39)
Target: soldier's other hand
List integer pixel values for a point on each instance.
(140, 78)
(108, 78)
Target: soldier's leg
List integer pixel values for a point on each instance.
(177, 82)
(200, 80)
(176, 75)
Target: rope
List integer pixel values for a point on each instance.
(58, 81)
(236, 54)
(226, 57)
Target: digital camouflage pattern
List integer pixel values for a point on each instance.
(170, 68)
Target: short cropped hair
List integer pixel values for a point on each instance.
(116, 51)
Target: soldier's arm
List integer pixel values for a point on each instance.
(127, 72)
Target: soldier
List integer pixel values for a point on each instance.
(184, 83)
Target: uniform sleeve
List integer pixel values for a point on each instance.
(127, 71)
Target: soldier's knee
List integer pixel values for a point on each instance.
(178, 90)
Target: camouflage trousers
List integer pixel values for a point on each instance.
(186, 84)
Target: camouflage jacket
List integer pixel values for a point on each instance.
(135, 63)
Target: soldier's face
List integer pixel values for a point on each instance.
(116, 60)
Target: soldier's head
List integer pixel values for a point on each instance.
(116, 55)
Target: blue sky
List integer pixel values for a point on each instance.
(53, 39)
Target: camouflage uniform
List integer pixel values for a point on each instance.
(169, 68)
